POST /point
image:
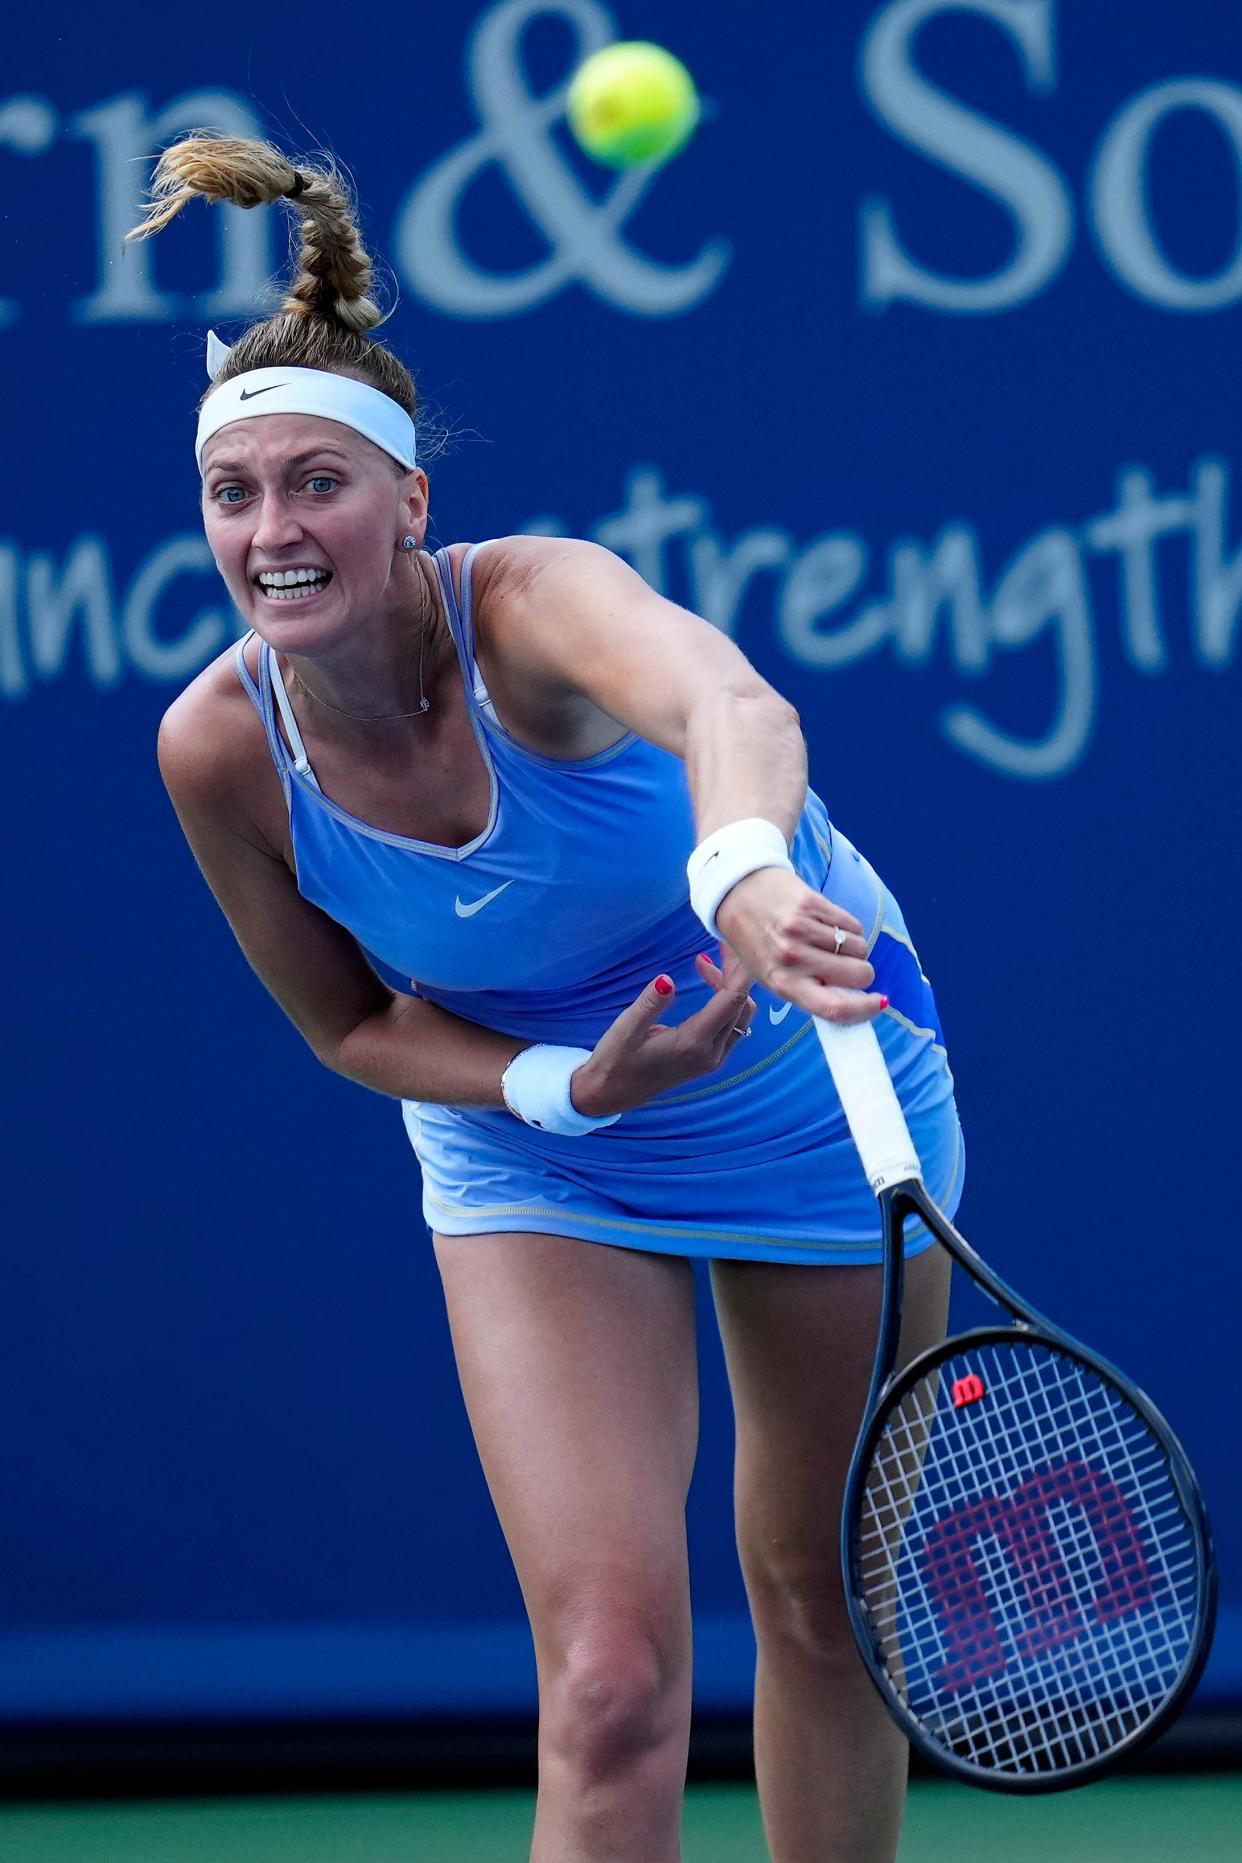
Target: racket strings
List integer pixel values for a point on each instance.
(1025, 1561)
(1044, 1587)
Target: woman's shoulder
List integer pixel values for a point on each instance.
(211, 740)
(514, 560)
(511, 577)
(537, 693)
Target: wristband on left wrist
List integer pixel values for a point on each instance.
(536, 1089)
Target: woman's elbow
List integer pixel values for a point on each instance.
(772, 706)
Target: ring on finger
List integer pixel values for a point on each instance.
(839, 935)
(739, 1030)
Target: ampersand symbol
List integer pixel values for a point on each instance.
(583, 235)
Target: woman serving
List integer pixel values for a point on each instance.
(471, 815)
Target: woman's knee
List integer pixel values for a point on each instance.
(797, 1600)
(616, 1688)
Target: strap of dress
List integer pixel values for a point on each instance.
(271, 666)
(460, 617)
(260, 697)
(243, 672)
(270, 686)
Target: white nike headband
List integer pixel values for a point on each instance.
(305, 391)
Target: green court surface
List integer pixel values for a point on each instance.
(1178, 1820)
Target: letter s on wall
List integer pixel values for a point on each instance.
(1000, 164)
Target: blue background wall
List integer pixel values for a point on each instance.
(916, 373)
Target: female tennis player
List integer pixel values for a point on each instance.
(472, 815)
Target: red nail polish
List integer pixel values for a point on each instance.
(707, 957)
(664, 986)
(884, 1002)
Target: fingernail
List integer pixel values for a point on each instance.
(664, 986)
(706, 959)
(884, 1002)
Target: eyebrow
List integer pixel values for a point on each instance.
(293, 459)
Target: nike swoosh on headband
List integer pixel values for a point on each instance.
(376, 416)
(477, 905)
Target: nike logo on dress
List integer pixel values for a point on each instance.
(777, 1016)
(248, 394)
(477, 905)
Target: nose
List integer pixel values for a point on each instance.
(277, 524)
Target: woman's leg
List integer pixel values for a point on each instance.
(799, 1343)
(577, 1362)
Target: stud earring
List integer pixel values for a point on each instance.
(409, 543)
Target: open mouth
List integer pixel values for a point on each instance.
(291, 585)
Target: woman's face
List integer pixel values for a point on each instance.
(305, 519)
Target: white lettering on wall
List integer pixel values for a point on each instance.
(1024, 179)
(125, 134)
(1043, 588)
(722, 571)
(649, 521)
(28, 125)
(57, 599)
(1119, 196)
(13, 680)
(966, 143)
(931, 604)
(1217, 582)
(924, 583)
(935, 606)
(1131, 529)
(821, 580)
(151, 630)
(583, 236)
(148, 652)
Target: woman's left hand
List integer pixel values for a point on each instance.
(786, 934)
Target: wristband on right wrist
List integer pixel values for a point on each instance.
(729, 855)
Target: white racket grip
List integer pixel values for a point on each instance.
(872, 1109)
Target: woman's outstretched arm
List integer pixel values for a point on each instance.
(568, 617)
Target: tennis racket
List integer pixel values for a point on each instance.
(1026, 1557)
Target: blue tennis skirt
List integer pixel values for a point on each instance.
(751, 1163)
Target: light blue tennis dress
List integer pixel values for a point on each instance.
(546, 926)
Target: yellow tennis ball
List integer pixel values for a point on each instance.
(632, 103)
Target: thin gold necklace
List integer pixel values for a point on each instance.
(424, 703)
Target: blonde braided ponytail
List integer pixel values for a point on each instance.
(327, 309)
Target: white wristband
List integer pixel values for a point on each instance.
(727, 856)
(535, 1087)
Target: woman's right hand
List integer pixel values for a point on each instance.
(638, 1057)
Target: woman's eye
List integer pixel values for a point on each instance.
(224, 494)
(322, 482)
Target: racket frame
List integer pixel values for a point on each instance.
(909, 1198)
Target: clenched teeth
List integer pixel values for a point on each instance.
(291, 585)
(288, 578)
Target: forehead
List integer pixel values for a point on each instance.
(264, 440)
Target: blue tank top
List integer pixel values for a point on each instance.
(574, 895)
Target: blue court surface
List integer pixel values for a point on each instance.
(1180, 1820)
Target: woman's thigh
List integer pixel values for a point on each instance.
(578, 1368)
(799, 1344)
